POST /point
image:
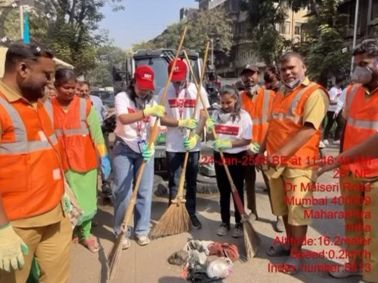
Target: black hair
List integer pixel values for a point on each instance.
(271, 70)
(287, 56)
(64, 75)
(130, 90)
(20, 51)
(368, 46)
(228, 89)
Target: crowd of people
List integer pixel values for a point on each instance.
(52, 141)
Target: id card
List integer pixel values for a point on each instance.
(142, 145)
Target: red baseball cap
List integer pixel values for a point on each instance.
(179, 73)
(144, 77)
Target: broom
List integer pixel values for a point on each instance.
(175, 219)
(114, 254)
(251, 239)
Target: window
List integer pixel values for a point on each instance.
(374, 10)
(287, 28)
(297, 28)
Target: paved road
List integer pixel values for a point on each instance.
(149, 264)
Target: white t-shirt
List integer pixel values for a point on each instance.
(239, 129)
(182, 106)
(335, 94)
(134, 133)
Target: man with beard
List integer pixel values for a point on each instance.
(292, 144)
(257, 101)
(180, 104)
(359, 168)
(32, 223)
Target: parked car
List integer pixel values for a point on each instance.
(106, 96)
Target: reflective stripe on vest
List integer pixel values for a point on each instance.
(83, 130)
(21, 143)
(363, 124)
(264, 117)
(290, 115)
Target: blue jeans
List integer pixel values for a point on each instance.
(126, 163)
(175, 161)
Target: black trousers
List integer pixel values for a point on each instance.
(235, 165)
(330, 121)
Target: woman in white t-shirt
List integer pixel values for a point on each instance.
(136, 112)
(233, 127)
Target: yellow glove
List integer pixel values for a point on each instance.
(254, 147)
(12, 248)
(154, 110)
(191, 142)
(190, 124)
(221, 144)
(210, 123)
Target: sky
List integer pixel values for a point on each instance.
(141, 20)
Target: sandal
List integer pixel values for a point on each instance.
(278, 251)
(292, 265)
(91, 244)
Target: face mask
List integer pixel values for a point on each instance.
(293, 84)
(362, 75)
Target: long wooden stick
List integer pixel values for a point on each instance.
(115, 252)
(238, 201)
(180, 192)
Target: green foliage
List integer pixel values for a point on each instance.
(263, 18)
(205, 25)
(106, 57)
(324, 47)
(69, 28)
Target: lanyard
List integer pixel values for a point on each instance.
(181, 101)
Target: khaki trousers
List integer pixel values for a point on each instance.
(51, 246)
(360, 199)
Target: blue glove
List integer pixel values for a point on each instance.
(105, 166)
(148, 153)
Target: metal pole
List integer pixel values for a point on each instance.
(355, 31)
(22, 21)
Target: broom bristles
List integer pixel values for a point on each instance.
(174, 221)
(251, 239)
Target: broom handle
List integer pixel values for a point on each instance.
(180, 192)
(235, 194)
(151, 140)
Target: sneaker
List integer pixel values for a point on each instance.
(342, 272)
(321, 145)
(336, 142)
(195, 222)
(279, 225)
(126, 243)
(143, 240)
(223, 229)
(325, 142)
(237, 232)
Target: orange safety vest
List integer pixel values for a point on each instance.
(362, 122)
(31, 181)
(286, 121)
(76, 145)
(259, 110)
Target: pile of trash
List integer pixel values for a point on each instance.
(205, 261)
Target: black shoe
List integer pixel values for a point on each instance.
(195, 222)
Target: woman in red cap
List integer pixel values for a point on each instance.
(136, 112)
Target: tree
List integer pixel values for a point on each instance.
(264, 16)
(325, 46)
(70, 29)
(106, 57)
(204, 25)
